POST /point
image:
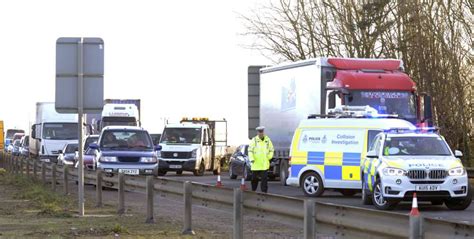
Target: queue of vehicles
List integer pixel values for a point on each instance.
(328, 120)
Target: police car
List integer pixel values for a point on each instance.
(326, 153)
(403, 161)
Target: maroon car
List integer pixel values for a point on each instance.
(90, 159)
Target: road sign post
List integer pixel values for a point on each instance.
(79, 87)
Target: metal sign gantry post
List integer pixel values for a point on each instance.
(79, 87)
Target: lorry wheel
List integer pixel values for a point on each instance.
(379, 200)
(215, 172)
(437, 202)
(231, 173)
(460, 204)
(312, 185)
(200, 171)
(283, 172)
(179, 172)
(366, 198)
(161, 173)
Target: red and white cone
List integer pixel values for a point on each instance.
(414, 207)
(219, 182)
(242, 184)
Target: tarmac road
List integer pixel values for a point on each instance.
(426, 209)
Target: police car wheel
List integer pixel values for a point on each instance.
(312, 185)
(379, 200)
(283, 172)
(366, 199)
(460, 204)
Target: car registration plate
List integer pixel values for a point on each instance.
(129, 171)
(176, 166)
(427, 188)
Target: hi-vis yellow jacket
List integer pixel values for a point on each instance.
(260, 153)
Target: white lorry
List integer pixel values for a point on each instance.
(195, 145)
(51, 132)
(117, 114)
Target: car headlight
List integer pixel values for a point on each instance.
(194, 153)
(148, 160)
(108, 159)
(394, 172)
(457, 171)
(158, 153)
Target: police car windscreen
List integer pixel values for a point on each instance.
(400, 146)
(401, 103)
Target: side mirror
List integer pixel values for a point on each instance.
(332, 100)
(60, 151)
(158, 147)
(372, 154)
(458, 153)
(425, 108)
(33, 131)
(94, 146)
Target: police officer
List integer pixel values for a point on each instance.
(260, 154)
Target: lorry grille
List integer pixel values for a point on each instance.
(423, 174)
(129, 159)
(172, 155)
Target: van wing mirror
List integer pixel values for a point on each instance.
(372, 154)
(425, 108)
(94, 146)
(33, 131)
(332, 100)
(158, 147)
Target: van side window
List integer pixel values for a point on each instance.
(371, 138)
(373, 143)
(206, 136)
(377, 143)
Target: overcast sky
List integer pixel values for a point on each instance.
(181, 58)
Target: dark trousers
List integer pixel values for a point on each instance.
(262, 175)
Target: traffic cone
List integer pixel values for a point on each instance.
(414, 207)
(219, 182)
(242, 184)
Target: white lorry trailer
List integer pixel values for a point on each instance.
(51, 132)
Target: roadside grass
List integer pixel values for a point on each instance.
(30, 209)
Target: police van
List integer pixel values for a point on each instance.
(403, 161)
(326, 153)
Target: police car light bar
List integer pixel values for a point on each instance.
(411, 130)
(358, 112)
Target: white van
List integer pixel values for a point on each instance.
(327, 152)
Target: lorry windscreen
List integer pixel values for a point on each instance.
(60, 131)
(12, 132)
(401, 103)
(118, 121)
(126, 140)
(181, 136)
(402, 146)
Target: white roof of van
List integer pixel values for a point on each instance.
(185, 125)
(378, 123)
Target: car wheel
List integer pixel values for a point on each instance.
(179, 172)
(312, 185)
(366, 199)
(200, 171)
(380, 202)
(231, 173)
(460, 204)
(283, 172)
(162, 172)
(437, 202)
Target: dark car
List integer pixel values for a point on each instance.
(67, 156)
(240, 164)
(90, 159)
(16, 147)
(91, 139)
(24, 148)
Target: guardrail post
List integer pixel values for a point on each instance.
(43, 172)
(98, 187)
(121, 194)
(27, 160)
(150, 199)
(14, 165)
(35, 169)
(309, 219)
(415, 227)
(238, 217)
(21, 166)
(188, 207)
(65, 178)
(53, 177)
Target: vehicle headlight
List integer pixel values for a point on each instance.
(158, 153)
(148, 160)
(457, 171)
(108, 159)
(394, 172)
(194, 153)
